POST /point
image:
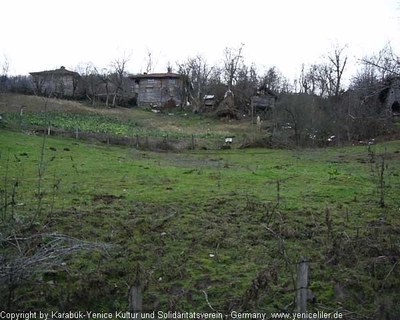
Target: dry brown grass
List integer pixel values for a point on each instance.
(14, 102)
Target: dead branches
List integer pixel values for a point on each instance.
(24, 258)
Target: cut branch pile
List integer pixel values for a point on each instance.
(24, 258)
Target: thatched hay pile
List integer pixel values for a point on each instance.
(227, 108)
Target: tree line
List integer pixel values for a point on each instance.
(317, 106)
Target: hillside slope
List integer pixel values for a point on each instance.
(174, 122)
(231, 223)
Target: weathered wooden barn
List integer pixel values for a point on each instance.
(157, 89)
(58, 82)
(208, 102)
(263, 105)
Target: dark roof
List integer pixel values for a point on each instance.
(59, 72)
(168, 75)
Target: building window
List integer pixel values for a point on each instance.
(172, 82)
(150, 81)
(396, 107)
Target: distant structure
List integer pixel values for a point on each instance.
(157, 89)
(59, 82)
(393, 98)
(263, 103)
(208, 102)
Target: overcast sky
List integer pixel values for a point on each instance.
(45, 34)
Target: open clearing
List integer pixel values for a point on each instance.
(213, 221)
(231, 223)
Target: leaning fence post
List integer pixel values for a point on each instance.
(192, 142)
(21, 113)
(302, 286)
(135, 300)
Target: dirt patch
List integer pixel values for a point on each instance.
(106, 198)
(14, 103)
(193, 162)
(206, 282)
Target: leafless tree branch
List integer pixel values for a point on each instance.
(37, 254)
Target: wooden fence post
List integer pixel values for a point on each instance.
(302, 286)
(165, 141)
(252, 111)
(135, 300)
(21, 113)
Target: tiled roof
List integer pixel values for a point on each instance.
(60, 72)
(168, 75)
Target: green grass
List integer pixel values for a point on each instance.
(210, 221)
(37, 112)
(94, 123)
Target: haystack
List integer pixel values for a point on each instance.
(227, 107)
(169, 104)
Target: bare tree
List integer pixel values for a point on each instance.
(196, 73)
(118, 76)
(104, 76)
(316, 80)
(338, 64)
(5, 66)
(300, 115)
(20, 84)
(215, 84)
(186, 91)
(323, 73)
(366, 82)
(310, 80)
(232, 60)
(386, 62)
(304, 81)
(246, 86)
(324, 79)
(286, 86)
(90, 81)
(149, 62)
(272, 80)
(200, 74)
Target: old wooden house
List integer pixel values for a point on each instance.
(58, 82)
(157, 89)
(263, 105)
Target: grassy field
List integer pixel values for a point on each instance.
(71, 115)
(229, 223)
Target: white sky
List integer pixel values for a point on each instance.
(45, 34)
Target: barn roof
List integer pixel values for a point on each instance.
(59, 72)
(167, 75)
